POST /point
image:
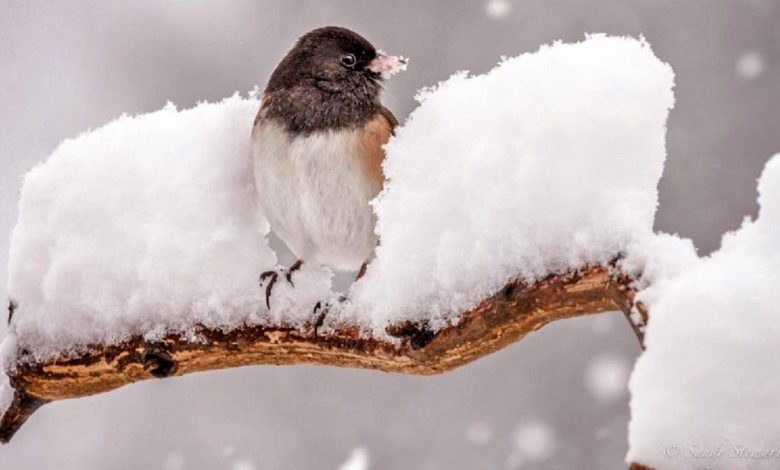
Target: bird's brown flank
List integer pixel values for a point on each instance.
(374, 135)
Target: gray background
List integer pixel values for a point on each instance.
(69, 66)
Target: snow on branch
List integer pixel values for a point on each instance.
(705, 392)
(411, 348)
(512, 199)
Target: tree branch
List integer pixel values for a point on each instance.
(498, 321)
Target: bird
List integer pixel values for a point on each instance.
(317, 149)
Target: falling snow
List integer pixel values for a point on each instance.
(533, 441)
(606, 377)
(357, 460)
(497, 8)
(750, 65)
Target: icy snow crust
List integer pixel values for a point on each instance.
(150, 225)
(705, 392)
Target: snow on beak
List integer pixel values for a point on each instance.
(387, 65)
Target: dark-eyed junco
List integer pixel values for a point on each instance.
(317, 145)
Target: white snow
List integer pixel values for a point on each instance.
(750, 65)
(532, 441)
(705, 392)
(146, 225)
(358, 460)
(606, 377)
(497, 8)
(149, 224)
(388, 65)
(549, 161)
(243, 464)
(6, 393)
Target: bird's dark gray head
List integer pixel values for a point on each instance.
(330, 79)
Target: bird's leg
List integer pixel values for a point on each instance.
(362, 271)
(296, 266)
(272, 276)
(323, 309)
(321, 317)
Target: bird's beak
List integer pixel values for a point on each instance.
(387, 65)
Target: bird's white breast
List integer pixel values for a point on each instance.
(315, 193)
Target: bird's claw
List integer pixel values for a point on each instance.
(272, 276)
(323, 308)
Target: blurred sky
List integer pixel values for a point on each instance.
(555, 400)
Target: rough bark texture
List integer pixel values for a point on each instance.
(502, 319)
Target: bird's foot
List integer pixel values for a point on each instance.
(362, 271)
(273, 276)
(321, 309)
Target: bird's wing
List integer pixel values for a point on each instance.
(375, 134)
(388, 115)
(261, 113)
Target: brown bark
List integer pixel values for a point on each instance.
(502, 319)
(639, 466)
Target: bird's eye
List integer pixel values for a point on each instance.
(348, 60)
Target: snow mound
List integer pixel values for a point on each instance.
(146, 225)
(705, 392)
(149, 224)
(549, 161)
(6, 393)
